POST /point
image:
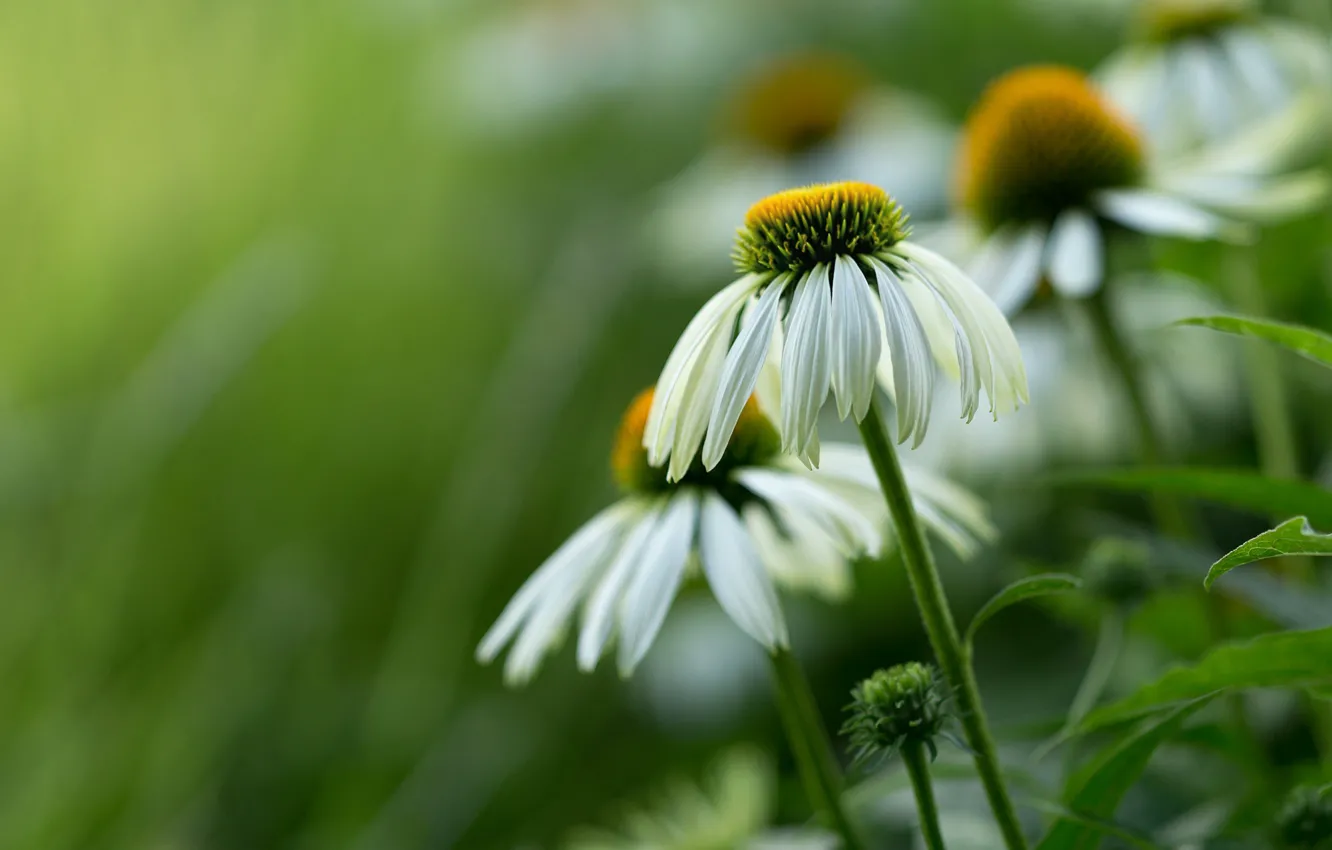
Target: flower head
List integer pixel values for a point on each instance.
(796, 103)
(1305, 821)
(1042, 140)
(754, 519)
(830, 266)
(901, 705)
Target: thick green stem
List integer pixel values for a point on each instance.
(812, 747)
(933, 605)
(1170, 516)
(918, 767)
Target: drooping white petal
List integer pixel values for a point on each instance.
(1009, 266)
(1077, 263)
(659, 432)
(806, 366)
(553, 571)
(1208, 84)
(698, 393)
(800, 557)
(1162, 215)
(737, 577)
(739, 376)
(909, 351)
(599, 616)
(787, 491)
(856, 340)
(1255, 66)
(541, 609)
(1261, 199)
(661, 569)
(997, 356)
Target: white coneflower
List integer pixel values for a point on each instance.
(1201, 70)
(1048, 163)
(831, 266)
(801, 118)
(754, 517)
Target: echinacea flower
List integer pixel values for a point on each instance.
(1200, 71)
(800, 118)
(832, 282)
(756, 517)
(1048, 163)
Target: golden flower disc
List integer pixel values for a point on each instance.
(754, 442)
(799, 228)
(795, 103)
(1042, 140)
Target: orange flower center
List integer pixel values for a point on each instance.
(754, 442)
(799, 228)
(1042, 140)
(796, 103)
(1173, 20)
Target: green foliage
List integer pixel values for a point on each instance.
(1307, 342)
(1021, 590)
(1278, 660)
(1238, 488)
(1096, 789)
(1292, 537)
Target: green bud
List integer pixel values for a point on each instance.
(897, 706)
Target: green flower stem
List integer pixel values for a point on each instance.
(918, 766)
(933, 605)
(812, 747)
(1170, 516)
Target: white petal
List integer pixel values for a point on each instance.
(737, 577)
(802, 557)
(1161, 215)
(745, 361)
(1000, 360)
(1009, 267)
(1077, 265)
(650, 594)
(599, 616)
(1209, 85)
(909, 350)
(853, 531)
(806, 363)
(659, 433)
(856, 340)
(698, 394)
(552, 571)
(543, 606)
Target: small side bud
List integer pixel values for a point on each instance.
(901, 705)
(1305, 821)
(1118, 571)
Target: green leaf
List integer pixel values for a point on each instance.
(1277, 660)
(1095, 791)
(1292, 537)
(1306, 342)
(1237, 488)
(1022, 589)
(1099, 825)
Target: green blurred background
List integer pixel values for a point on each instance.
(316, 320)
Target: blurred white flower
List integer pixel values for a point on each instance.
(863, 303)
(800, 119)
(1200, 71)
(731, 809)
(754, 518)
(1048, 163)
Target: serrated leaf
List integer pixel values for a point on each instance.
(1020, 590)
(1237, 488)
(1095, 791)
(1292, 537)
(1278, 660)
(1306, 342)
